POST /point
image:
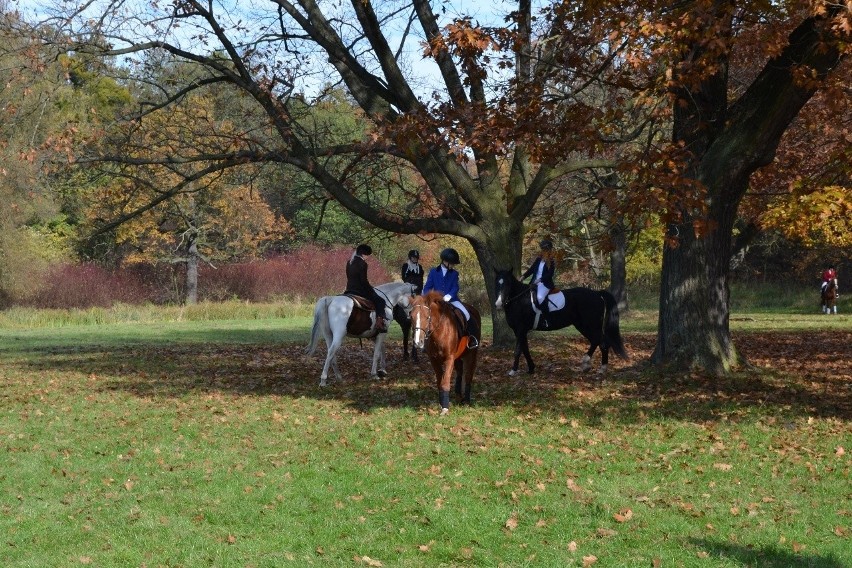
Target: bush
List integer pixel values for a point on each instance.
(89, 285)
(307, 273)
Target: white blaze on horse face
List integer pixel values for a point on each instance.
(499, 303)
(418, 330)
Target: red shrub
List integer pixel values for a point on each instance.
(309, 272)
(88, 285)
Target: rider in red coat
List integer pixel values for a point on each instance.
(828, 275)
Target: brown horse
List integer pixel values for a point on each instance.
(440, 329)
(829, 297)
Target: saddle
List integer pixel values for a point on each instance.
(461, 328)
(359, 321)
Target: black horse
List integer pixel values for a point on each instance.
(593, 312)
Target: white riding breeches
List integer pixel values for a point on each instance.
(460, 306)
(541, 292)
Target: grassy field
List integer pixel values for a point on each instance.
(138, 437)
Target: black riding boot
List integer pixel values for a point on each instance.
(545, 310)
(472, 334)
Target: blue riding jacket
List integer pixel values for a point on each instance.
(444, 283)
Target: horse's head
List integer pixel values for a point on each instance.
(421, 320)
(503, 282)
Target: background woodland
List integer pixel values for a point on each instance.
(152, 175)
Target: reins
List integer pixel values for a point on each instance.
(427, 331)
(515, 297)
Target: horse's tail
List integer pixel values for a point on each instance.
(611, 329)
(320, 317)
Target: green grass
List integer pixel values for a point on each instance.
(167, 441)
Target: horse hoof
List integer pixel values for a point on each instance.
(513, 372)
(445, 411)
(323, 384)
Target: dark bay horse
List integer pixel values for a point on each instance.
(400, 317)
(829, 297)
(593, 312)
(439, 330)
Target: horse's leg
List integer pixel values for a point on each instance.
(337, 337)
(469, 368)
(586, 361)
(604, 360)
(459, 367)
(525, 348)
(444, 383)
(514, 370)
(406, 329)
(329, 353)
(522, 346)
(378, 351)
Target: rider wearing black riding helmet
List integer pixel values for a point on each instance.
(412, 271)
(358, 284)
(445, 279)
(542, 271)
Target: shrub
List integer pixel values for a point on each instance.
(87, 285)
(308, 272)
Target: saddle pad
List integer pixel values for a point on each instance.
(556, 301)
(361, 302)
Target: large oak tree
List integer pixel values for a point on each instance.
(511, 108)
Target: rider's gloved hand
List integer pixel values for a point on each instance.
(447, 297)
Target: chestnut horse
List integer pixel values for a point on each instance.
(829, 297)
(440, 329)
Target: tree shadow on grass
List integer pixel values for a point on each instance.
(767, 556)
(629, 395)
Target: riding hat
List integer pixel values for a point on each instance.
(364, 250)
(450, 255)
(546, 244)
(413, 253)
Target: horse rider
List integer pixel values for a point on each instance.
(412, 271)
(358, 284)
(542, 270)
(444, 279)
(828, 275)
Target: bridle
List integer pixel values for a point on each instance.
(510, 299)
(427, 331)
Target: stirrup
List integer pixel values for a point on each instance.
(472, 342)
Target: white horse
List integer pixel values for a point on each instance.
(332, 313)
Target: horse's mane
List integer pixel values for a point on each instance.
(433, 296)
(392, 285)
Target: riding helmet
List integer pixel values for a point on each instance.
(414, 253)
(364, 250)
(450, 255)
(546, 244)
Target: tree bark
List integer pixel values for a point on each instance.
(192, 273)
(618, 264)
(694, 318)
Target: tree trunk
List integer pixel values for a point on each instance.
(618, 264)
(192, 274)
(727, 145)
(693, 330)
(501, 250)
